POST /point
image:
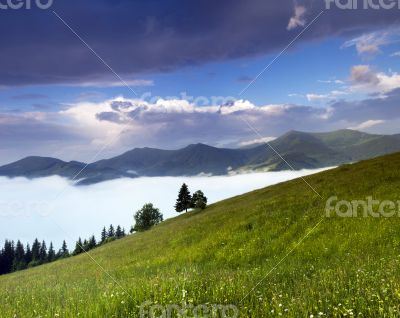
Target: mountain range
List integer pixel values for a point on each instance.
(301, 150)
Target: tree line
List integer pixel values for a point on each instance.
(15, 256)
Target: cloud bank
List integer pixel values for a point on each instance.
(34, 208)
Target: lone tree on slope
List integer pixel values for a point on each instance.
(147, 217)
(199, 200)
(184, 201)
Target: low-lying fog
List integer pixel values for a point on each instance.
(52, 209)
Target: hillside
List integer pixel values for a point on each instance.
(300, 149)
(238, 252)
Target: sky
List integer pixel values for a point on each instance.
(85, 80)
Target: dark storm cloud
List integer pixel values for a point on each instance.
(156, 36)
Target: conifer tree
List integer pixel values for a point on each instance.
(64, 250)
(2, 263)
(78, 247)
(43, 252)
(111, 232)
(8, 256)
(85, 245)
(92, 242)
(103, 235)
(19, 257)
(28, 254)
(118, 232)
(51, 255)
(184, 201)
(36, 251)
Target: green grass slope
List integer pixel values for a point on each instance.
(238, 247)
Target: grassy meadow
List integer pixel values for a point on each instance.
(344, 267)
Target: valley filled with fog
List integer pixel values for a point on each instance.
(52, 209)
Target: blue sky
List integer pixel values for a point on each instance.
(58, 99)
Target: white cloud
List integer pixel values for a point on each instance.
(295, 95)
(369, 45)
(256, 141)
(396, 54)
(325, 97)
(365, 79)
(338, 82)
(368, 124)
(298, 19)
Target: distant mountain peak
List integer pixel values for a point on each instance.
(301, 149)
(199, 145)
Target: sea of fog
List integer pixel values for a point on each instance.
(52, 209)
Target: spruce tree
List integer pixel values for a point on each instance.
(78, 247)
(85, 245)
(184, 201)
(43, 253)
(51, 255)
(103, 235)
(118, 232)
(28, 254)
(36, 251)
(64, 250)
(8, 256)
(19, 257)
(2, 263)
(111, 232)
(92, 242)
